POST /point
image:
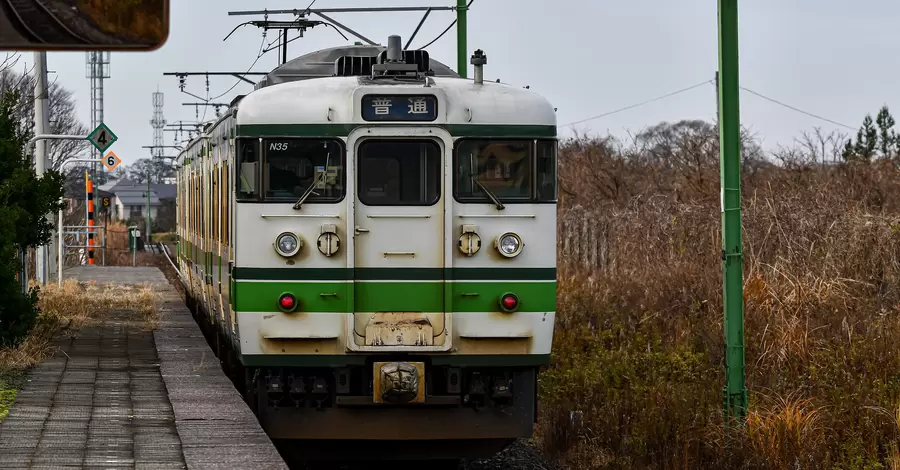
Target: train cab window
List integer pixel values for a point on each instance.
(503, 167)
(546, 171)
(294, 165)
(522, 171)
(399, 173)
(247, 168)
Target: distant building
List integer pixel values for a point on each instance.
(75, 199)
(131, 201)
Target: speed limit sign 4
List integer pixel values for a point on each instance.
(111, 161)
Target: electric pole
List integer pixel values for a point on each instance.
(43, 255)
(462, 53)
(734, 393)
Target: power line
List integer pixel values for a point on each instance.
(667, 95)
(258, 55)
(445, 31)
(683, 90)
(797, 109)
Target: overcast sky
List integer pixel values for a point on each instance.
(833, 58)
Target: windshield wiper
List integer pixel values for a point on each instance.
(312, 186)
(484, 188)
(490, 195)
(308, 191)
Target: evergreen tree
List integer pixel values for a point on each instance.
(887, 138)
(25, 200)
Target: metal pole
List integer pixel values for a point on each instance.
(462, 63)
(148, 208)
(59, 226)
(735, 390)
(39, 137)
(41, 126)
(337, 10)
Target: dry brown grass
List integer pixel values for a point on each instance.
(140, 21)
(117, 249)
(72, 307)
(637, 373)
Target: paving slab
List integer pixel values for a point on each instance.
(117, 396)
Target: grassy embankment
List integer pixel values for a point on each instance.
(63, 312)
(139, 21)
(637, 376)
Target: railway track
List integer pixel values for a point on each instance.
(38, 24)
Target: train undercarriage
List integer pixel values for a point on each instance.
(328, 413)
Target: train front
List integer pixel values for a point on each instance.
(395, 260)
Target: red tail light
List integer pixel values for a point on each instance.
(287, 302)
(509, 302)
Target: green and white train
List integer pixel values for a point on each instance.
(369, 241)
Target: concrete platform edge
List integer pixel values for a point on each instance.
(216, 428)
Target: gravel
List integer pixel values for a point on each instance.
(518, 456)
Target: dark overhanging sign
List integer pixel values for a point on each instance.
(399, 108)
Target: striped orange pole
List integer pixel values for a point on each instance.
(90, 208)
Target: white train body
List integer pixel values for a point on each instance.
(398, 266)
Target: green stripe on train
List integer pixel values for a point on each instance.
(395, 274)
(395, 296)
(343, 130)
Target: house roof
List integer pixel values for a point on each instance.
(137, 197)
(76, 193)
(163, 191)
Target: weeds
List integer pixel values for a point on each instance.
(65, 310)
(638, 367)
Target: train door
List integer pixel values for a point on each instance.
(400, 239)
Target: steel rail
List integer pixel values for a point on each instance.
(35, 20)
(165, 251)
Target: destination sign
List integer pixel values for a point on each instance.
(399, 107)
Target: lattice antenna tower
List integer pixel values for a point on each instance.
(158, 122)
(97, 70)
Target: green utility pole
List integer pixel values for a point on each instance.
(734, 393)
(462, 59)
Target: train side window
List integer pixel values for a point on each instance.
(293, 165)
(247, 168)
(504, 167)
(399, 173)
(546, 171)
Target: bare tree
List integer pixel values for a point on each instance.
(63, 117)
(820, 147)
(9, 61)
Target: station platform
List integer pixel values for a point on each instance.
(118, 395)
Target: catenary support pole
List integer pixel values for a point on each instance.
(462, 55)
(43, 255)
(735, 390)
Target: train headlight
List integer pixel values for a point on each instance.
(287, 244)
(509, 244)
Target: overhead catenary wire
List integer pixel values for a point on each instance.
(445, 30)
(238, 81)
(642, 103)
(793, 108)
(683, 90)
